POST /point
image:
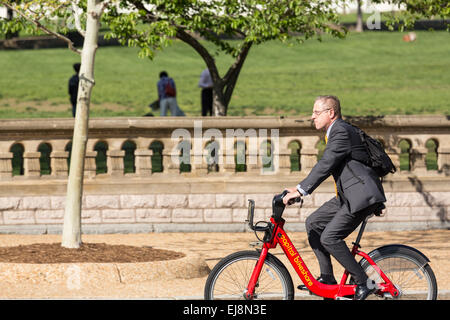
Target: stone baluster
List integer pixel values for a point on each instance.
(170, 166)
(418, 159)
(308, 152)
(269, 156)
(228, 167)
(143, 161)
(443, 159)
(31, 164)
(253, 161)
(228, 156)
(212, 154)
(308, 159)
(6, 164)
(171, 161)
(58, 163)
(198, 161)
(199, 165)
(115, 162)
(90, 167)
(284, 160)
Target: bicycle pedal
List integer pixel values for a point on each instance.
(256, 244)
(302, 287)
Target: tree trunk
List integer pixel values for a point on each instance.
(219, 107)
(223, 87)
(222, 94)
(71, 237)
(359, 18)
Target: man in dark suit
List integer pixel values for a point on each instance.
(73, 87)
(358, 194)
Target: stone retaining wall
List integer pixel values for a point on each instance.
(205, 212)
(201, 199)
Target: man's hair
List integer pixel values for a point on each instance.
(331, 102)
(76, 67)
(163, 74)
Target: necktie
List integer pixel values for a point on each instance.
(335, 186)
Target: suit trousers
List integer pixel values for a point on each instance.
(207, 101)
(327, 227)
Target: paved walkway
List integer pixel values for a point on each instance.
(435, 244)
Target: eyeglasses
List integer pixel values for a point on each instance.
(318, 113)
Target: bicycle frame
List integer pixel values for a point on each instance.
(279, 236)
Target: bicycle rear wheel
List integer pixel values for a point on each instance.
(229, 278)
(407, 269)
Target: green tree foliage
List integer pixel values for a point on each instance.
(417, 9)
(152, 24)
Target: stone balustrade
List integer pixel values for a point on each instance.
(180, 173)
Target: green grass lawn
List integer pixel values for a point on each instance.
(372, 73)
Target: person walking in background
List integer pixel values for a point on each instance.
(167, 93)
(206, 84)
(73, 87)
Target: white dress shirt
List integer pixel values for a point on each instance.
(205, 79)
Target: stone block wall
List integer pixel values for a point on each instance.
(158, 196)
(205, 212)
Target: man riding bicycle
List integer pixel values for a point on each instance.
(359, 193)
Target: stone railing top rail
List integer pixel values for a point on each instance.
(35, 148)
(120, 123)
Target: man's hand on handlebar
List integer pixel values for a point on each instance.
(290, 190)
(291, 197)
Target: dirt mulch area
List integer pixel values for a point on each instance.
(88, 252)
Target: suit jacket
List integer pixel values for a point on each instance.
(358, 185)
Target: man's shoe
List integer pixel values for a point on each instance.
(362, 291)
(321, 280)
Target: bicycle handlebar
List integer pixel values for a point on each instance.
(277, 210)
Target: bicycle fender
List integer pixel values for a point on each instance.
(392, 248)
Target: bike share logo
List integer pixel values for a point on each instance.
(257, 144)
(299, 263)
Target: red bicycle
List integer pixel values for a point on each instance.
(398, 271)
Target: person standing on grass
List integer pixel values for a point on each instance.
(206, 84)
(73, 87)
(167, 93)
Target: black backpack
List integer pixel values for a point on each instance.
(372, 153)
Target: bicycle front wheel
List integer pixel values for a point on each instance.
(407, 269)
(229, 278)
